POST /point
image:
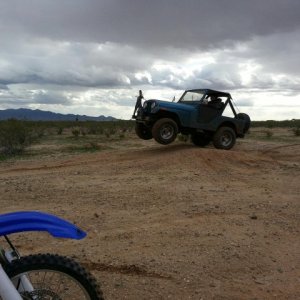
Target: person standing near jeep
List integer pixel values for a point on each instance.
(138, 103)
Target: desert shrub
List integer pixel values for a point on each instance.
(92, 130)
(75, 132)
(296, 131)
(112, 131)
(100, 130)
(273, 123)
(83, 131)
(107, 133)
(14, 137)
(268, 133)
(270, 124)
(36, 132)
(60, 130)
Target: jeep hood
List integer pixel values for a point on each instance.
(173, 105)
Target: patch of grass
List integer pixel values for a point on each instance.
(183, 137)
(268, 133)
(2, 157)
(282, 135)
(92, 146)
(88, 147)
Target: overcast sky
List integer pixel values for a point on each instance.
(91, 57)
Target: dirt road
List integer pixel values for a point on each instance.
(174, 221)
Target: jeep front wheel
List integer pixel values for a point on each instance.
(142, 131)
(165, 131)
(224, 138)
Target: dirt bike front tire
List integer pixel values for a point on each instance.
(53, 277)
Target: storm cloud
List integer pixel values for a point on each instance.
(175, 23)
(92, 56)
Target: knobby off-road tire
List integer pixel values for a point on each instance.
(142, 131)
(53, 277)
(224, 138)
(165, 131)
(246, 118)
(200, 139)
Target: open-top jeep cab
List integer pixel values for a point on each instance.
(198, 112)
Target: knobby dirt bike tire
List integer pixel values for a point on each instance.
(65, 268)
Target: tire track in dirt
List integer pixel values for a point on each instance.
(78, 161)
(41, 168)
(101, 157)
(284, 154)
(278, 147)
(132, 270)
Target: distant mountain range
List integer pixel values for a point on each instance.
(41, 115)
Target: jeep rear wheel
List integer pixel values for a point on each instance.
(165, 131)
(142, 131)
(224, 138)
(200, 139)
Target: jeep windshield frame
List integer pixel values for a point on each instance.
(204, 92)
(192, 96)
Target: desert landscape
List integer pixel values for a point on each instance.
(170, 222)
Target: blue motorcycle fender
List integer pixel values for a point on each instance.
(39, 221)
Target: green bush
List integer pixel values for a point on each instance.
(76, 132)
(14, 137)
(296, 131)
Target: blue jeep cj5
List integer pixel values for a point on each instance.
(199, 113)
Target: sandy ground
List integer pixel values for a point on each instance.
(175, 221)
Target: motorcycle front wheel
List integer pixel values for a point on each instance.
(49, 277)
